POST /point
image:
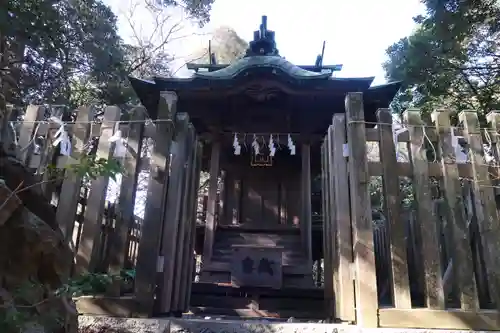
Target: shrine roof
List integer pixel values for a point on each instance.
(262, 72)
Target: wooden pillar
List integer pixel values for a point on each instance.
(306, 221)
(149, 244)
(172, 228)
(126, 201)
(211, 204)
(192, 255)
(88, 258)
(361, 215)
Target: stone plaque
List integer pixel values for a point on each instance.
(257, 266)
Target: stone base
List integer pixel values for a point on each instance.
(89, 324)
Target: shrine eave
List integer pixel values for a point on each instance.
(374, 97)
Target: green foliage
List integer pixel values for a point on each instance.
(451, 60)
(88, 166)
(69, 52)
(199, 9)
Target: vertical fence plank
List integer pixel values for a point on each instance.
(364, 256)
(34, 113)
(173, 212)
(484, 202)
(210, 210)
(149, 243)
(88, 258)
(194, 210)
(396, 229)
(181, 262)
(70, 190)
(328, 288)
(493, 119)
(306, 215)
(427, 223)
(189, 219)
(457, 226)
(48, 156)
(126, 200)
(342, 218)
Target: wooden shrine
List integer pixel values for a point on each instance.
(262, 120)
(289, 226)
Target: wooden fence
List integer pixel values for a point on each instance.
(108, 237)
(443, 267)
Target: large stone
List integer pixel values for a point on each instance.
(34, 260)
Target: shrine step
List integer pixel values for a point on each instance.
(289, 280)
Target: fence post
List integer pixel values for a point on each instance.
(70, 190)
(194, 209)
(182, 262)
(485, 204)
(27, 133)
(88, 256)
(457, 226)
(126, 201)
(427, 223)
(359, 179)
(342, 219)
(400, 280)
(328, 239)
(148, 263)
(173, 218)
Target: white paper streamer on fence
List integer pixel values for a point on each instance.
(397, 130)
(120, 147)
(62, 137)
(460, 156)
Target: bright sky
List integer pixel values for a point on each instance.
(357, 32)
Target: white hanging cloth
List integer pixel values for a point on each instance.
(62, 137)
(120, 147)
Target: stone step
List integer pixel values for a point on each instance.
(292, 325)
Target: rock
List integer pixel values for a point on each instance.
(34, 261)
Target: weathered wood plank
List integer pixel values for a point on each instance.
(400, 282)
(331, 232)
(484, 203)
(345, 291)
(149, 244)
(181, 263)
(405, 170)
(34, 114)
(70, 190)
(192, 264)
(306, 221)
(486, 320)
(126, 200)
(172, 229)
(212, 197)
(427, 223)
(456, 227)
(364, 256)
(328, 287)
(88, 256)
(190, 230)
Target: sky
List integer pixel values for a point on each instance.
(357, 32)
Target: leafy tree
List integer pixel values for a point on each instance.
(452, 59)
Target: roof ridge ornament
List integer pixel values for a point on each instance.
(263, 43)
